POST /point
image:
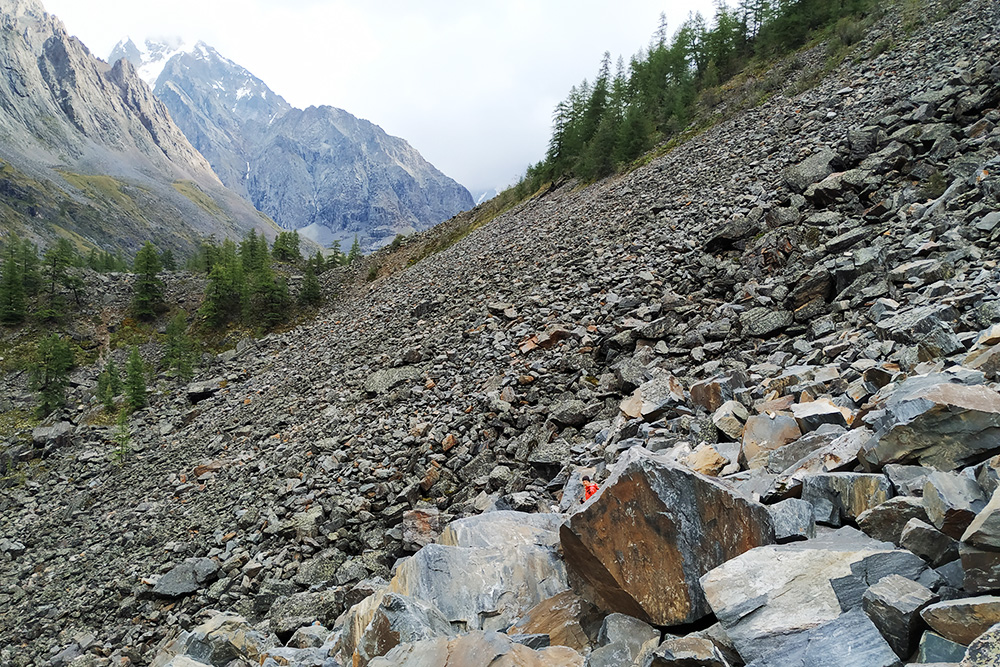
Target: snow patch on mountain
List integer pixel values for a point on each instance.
(150, 57)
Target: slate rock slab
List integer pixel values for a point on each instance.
(934, 422)
(843, 496)
(885, 522)
(477, 649)
(484, 588)
(768, 596)
(382, 381)
(850, 640)
(642, 543)
(963, 620)
(894, 604)
(188, 577)
(399, 620)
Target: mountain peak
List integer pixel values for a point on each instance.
(151, 56)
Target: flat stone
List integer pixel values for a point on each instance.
(963, 620)
(188, 577)
(768, 597)
(477, 649)
(386, 379)
(503, 528)
(813, 169)
(760, 322)
(646, 563)
(686, 652)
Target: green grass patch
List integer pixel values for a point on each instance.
(191, 190)
(103, 188)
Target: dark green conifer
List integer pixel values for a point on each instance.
(147, 298)
(135, 381)
(50, 373)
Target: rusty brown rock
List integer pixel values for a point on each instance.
(963, 620)
(640, 547)
(566, 618)
(767, 431)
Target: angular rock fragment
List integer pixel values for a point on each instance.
(813, 169)
(885, 522)
(769, 596)
(626, 635)
(654, 398)
(502, 529)
(641, 545)
(729, 419)
(928, 542)
(477, 649)
(423, 525)
(484, 589)
(768, 431)
(794, 519)
(935, 422)
(850, 640)
(399, 620)
(952, 502)
(934, 648)
(760, 322)
(810, 416)
(984, 530)
(289, 613)
(188, 577)
(686, 652)
(843, 496)
(382, 381)
(565, 618)
(981, 567)
(963, 620)
(984, 651)
(894, 604)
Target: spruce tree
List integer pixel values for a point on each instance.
(179, 353)
(147, 299)
(109, 384)
(13, 308)
(286, 247)
(167, 260)
(135, 381)
(50, 373)
(226, 293)
(310, 295)
(355, 252)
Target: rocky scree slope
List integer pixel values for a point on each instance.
(90, 153)
(320, 169)
(780, 334)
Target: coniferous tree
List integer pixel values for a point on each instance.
(337, 256)
(147, 299)
(179, 353)
(13, 302)
(50, 373)
(355, 252)
(167, 260)
(226, 293)
(268, 298)
(135, 381)
(310, 295)
(109, 384)
(286, 247)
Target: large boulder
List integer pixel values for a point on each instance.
(566, 619)
(481, 588)
(770, 595)
(936, 421)
(399, 620)
(477, 649)
(503, 528)
(187, 577)
(640, 545)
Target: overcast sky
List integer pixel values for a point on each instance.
(471, 84)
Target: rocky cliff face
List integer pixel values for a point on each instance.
(774, 347)
(319, 170)
(116, 152)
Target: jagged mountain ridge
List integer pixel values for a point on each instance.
(320, 170)
(90, 152)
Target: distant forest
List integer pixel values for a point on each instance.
(605, 124)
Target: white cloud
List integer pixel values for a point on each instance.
(470, 84)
